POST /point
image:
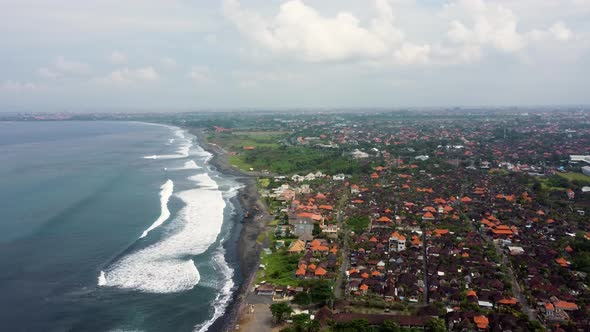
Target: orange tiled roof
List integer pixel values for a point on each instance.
(510, 301)
(481, 321)
(566, 305)
(561, 261)
(320, 271)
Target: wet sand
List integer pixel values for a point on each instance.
(248, 249)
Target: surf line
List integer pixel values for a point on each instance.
(165, 193)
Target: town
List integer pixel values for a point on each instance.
(446, 220)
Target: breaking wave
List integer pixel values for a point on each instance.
(165, 193)
(225, 273)
(164, 267)
(181, 152)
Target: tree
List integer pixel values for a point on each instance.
(302, 323)
(280, 311)
(390, 326)
(437, 325)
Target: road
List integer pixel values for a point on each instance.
(338, 291)
(524, 304)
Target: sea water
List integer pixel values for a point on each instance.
(113, 226)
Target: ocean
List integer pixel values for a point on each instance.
(113, 226)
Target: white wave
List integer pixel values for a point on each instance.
(182, 151)
(165, 193)
(191, 164)
(102, 279)
(164, 267)
(204, 181)
(225, 274)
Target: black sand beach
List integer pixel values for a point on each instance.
(252, 227)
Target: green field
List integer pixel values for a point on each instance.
(280, 268)
(575, 176)
(237, 140)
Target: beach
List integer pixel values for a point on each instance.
(248, 249)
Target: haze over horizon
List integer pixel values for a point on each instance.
(180, 55)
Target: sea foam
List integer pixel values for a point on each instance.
(164, 267)
(226, 286)
(181, 152)
(165, 193)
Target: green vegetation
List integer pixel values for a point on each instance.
(320, 291)
(280, 311)
(237, 140)
(358, 223)
(279, 268)
(581, 260)
(575, 177)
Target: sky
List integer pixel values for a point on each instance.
(179, 55)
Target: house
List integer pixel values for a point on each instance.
(357, 154)
(482, 322)
(297, 246)
(302, 226)
(339, 177)
(397, 242)
(265, 290)
(586, 170)
(309, 177)
(297, 178)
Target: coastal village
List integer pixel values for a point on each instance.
(459, 221)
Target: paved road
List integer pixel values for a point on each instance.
(515, 285)
(338, 292)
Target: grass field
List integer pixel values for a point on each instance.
(237, 140)
(279, 268)
(575, 176)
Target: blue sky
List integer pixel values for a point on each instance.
(65, 55)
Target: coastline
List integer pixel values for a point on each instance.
(248, 249)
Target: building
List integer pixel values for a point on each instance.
(302, 226)
(586, 170)
(397, 242)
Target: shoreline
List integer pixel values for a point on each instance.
(248, 249)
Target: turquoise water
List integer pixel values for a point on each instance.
(75, 198)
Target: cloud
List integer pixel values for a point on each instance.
(117, 58)
(301, 31)
(127, 76)
(200, 74)
(48, 73)
(71, 67)
(256, 79)
(474, 28)
(560, 31)
(477, 23)
(168, 63)
(17, 87)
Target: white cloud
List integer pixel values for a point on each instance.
(48, 73)
(477, 23)
(71, 67)
(256, 79)
(126, 76)
(168, 63)
(560, 31)
(17, 87)
(200, 74)
(409, 54)
(474, 29)
(117, 58)
(301, 31)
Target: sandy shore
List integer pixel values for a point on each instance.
(249, 250)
